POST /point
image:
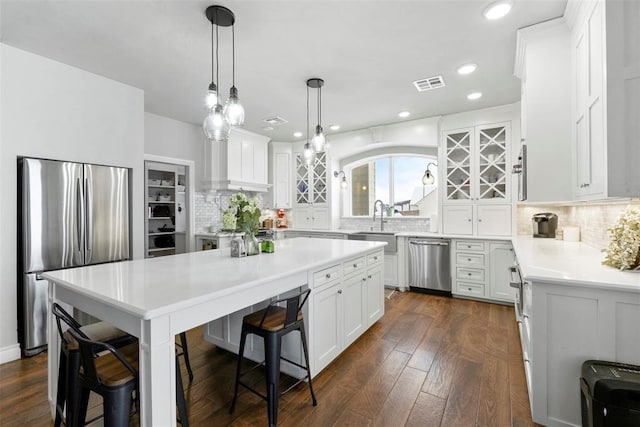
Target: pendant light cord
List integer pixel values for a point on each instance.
(217, 60)
(233, 55)
(212, 75)
(307, 114)
(319, 105)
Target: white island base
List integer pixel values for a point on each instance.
(346, 299)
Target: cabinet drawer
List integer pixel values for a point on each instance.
(473, 289)
(469, 246)
(470, 259)
(325, 276)
(353, 266)
(375, 258)
(470, 274)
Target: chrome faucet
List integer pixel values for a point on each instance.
(382, 221)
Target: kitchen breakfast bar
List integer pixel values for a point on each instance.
(157, 298)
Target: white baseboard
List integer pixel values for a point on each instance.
(10, 353)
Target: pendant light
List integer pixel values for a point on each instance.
(233, 110)
(308, 152)
(318, 141)
(216, 124)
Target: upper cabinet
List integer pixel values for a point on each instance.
(605, 68)
(478, 180)
(544, 68)
(311, 209)
(280, 154)
(239, 164)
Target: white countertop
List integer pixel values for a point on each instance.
(147, 287)
(576, 263)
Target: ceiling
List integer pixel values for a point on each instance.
(368, 53)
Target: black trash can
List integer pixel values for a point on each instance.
(610, 394)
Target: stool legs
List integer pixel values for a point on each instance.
(243, 337)
(303, 338)
(117, 406)
(182, 405)
(62, 390)
(185, 353)
(272, 363)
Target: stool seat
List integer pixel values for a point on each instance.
(111, 371)
(100, 331)
(272, 322)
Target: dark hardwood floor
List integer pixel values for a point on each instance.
(429, 361)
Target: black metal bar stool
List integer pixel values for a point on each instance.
(272, 323)
(185, 354)
(68, 387)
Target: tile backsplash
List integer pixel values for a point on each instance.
(391, 224)
(593, 219)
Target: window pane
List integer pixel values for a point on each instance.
(381, 177)
(410, 194)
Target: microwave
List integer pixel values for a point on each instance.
(520, 169)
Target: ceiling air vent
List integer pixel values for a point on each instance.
(429, 83)
(275, 121)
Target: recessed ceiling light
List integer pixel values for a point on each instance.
(466, 69)
(334, 127)
(474, 95)
(404, 114)
(297, 134)
(498, 9)
(267, 128)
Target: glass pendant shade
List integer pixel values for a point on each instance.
(427, 178)
(216, 126)
(211, 98)
(233, 110)
(319, 140)
(308, 154)
(343, 183)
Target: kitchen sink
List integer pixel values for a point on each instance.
(377, 236)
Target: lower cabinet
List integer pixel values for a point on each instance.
(345, 300)
(480, 269)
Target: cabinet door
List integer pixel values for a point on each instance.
(282, 181)
(319, 179)
(327, 331)
(501, 256)
(302, 177)
(302, 217)
(353, 307)
(320, 218)
(458, 147)
(494, 220)
(374, 295)
(491, 181)
(457, 219)
(234, 157)
(258, 163)
(390, 270)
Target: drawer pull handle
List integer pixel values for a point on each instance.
(468, 274)
(469, 259)
(369, 276)
(355, 265)
(469, 289)
(328, 276)
(469, 247)
(364, 279)
(340, 291)
(375, 258)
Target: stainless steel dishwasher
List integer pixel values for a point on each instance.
(429, 270)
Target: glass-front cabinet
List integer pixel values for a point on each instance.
(477, 195)
(477, 164)
(311, 208)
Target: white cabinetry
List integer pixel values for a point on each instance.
(606, 89)
(345, 300)
(280, 175)
(563, 325)
(480, 269)
(311, 209)
(477, 186)
(345, 307)
(543, 66)
(239, 164)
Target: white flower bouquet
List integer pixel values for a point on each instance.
(623, 251)
(246, 212)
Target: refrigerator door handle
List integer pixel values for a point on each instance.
(88, 226)
(80, 216)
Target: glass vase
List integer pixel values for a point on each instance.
(251, 244)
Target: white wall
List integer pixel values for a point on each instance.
(172, 138)
(55, 111)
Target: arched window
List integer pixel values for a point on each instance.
(394, 179)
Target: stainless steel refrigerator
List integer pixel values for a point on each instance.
(70, 215)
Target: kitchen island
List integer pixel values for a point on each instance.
(157, 298)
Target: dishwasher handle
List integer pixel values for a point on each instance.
(427, 243)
